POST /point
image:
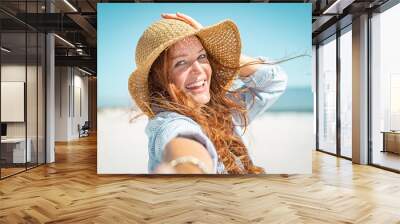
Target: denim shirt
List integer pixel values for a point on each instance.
(267, 83)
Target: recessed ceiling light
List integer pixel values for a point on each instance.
(338, 6)
(5, 50)
(71, 6)
(65, 41)
(84, 71)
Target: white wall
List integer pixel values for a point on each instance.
(61, 103)
(71, 93)
(79, 117)
(50, 94)
(360, 89)
(12, 101)
(12, 73)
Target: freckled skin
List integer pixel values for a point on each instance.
(188, 63)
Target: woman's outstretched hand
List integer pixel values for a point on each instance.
(185, 18)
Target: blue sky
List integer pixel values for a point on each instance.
(271, 30)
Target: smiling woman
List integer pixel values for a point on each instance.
(189, 68)
(183, 83)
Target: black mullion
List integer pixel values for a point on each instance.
(317, 95)
(45, 94)
(338, 124)
(369, 89)
(26, 86)
(0, 94)
(37, 91)
(45, 90)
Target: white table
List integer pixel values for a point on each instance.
(19, 149)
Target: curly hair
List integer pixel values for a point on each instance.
(215, 117)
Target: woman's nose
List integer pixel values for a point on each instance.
(196, 67)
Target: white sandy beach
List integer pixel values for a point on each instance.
(279, 142)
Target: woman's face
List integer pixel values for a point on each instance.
(189, 68)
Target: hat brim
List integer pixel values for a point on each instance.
(222, 41)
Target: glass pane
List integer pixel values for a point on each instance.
(13, 89)
(41, 98)
(23, 89)
(327, 96)
(31, 100)
(386, 89)
(346, 94)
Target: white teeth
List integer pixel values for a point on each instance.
(196, 84)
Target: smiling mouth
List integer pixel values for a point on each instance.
(196, 85)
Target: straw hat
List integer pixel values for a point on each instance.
(221, 40)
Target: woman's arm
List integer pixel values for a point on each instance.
(263, 85)
(173, 136)
(180, 147)
(248, 69)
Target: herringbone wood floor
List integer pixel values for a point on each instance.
(70, 191)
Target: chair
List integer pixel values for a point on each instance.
(84, 130)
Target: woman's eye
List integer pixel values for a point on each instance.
(180, 63)
(202, 56)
